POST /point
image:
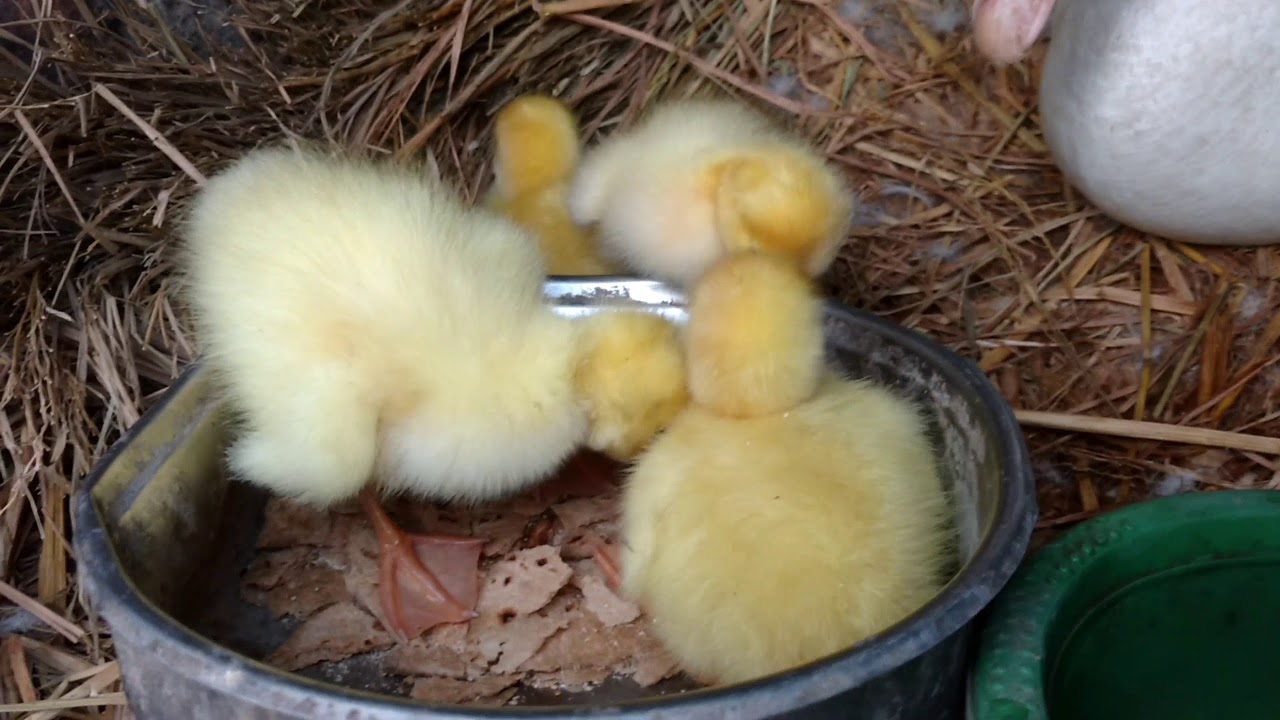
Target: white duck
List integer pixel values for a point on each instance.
(1161, 112)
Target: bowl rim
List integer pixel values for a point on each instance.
(983, 576)
(1012, 649)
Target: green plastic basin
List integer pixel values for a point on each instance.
(1164, 610)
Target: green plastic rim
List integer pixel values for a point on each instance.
(1203, 557)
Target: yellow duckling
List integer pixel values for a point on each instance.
(536, 150)
(787, 514)
(699, 178)
(371, 331)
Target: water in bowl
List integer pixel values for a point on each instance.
(1196, 642)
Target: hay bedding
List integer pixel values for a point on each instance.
(114, 112)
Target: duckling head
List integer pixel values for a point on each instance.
(631, 376)
(785, 200)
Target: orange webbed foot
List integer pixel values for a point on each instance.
(608, 565)
(425, 580)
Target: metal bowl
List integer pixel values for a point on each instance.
(159, 506)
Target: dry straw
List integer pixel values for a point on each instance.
(1144, 351)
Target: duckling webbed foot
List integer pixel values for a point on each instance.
(425, 580)
(608, 565)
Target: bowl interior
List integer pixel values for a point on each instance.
(1173, 621)
(183, 534)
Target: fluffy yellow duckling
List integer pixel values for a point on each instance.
(536, 150)
(370, 331)
(764, 533)
(698, 178)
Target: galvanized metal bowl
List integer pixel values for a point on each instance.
(157, 522)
